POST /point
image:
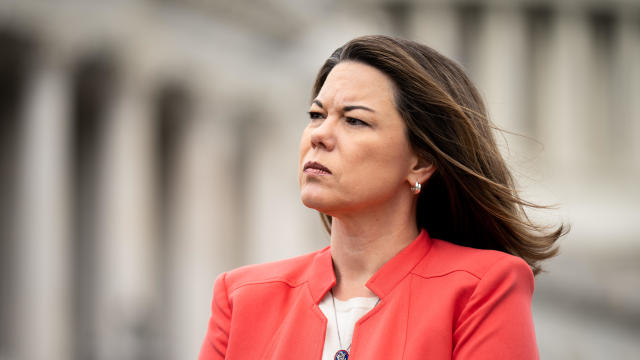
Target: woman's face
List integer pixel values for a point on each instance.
(354, 153)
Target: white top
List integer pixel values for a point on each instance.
(348, 313)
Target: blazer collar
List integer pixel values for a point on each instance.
(323, 278)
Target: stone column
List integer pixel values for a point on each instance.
(564, 92)
(201, 224)
(501, 75)
(436, 25)
(125, 245)
(42, 323)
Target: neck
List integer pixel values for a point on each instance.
(362, 243)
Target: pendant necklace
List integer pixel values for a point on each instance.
(342, 353)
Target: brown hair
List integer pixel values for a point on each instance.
(471, 199)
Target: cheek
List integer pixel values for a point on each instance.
(389, 164)
(388, 158)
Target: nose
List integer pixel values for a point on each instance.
(323, 136)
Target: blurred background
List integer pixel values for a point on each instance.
(147, 146)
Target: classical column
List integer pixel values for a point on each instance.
(563, 105)
(125, 233)
(501, 74)
(42, 323)
(201, 220)
(273, 221)
(436, 25)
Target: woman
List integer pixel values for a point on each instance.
(431, 254)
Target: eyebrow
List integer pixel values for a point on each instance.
(348, 107)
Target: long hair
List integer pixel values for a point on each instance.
(471, 199)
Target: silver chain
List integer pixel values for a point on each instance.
(335, 315)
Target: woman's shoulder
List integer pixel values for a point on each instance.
(291, 271)
(446, 258)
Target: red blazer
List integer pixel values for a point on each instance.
(438, 301)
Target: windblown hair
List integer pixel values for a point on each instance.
(471, 199)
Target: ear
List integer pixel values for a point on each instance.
(420, 171)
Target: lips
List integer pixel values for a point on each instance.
(313, 167)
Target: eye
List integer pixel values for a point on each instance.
(314, 115)
(356, 122)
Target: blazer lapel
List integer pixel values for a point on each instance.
(303, 329)
(301, 334)
(381, 333)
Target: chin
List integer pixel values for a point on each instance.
(315, 200)
(312, 202)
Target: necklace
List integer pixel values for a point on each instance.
(342, 353)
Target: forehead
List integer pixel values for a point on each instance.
(351, 82)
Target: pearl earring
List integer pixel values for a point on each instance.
(416, 188)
